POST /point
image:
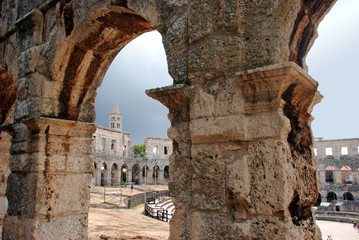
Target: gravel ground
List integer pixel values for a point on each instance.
(123, 224)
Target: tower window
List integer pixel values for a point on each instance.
(165, 150)
(118, 125)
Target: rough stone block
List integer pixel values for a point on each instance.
(219, 129)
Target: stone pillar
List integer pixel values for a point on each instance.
(242, 163)
(355, 177)
(49, 185)
(4, 173)
(129, 175)
(107, 176)
(98, 177)
(140, 180)
(160, 178)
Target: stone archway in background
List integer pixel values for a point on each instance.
(124, 173)
(239, 108)
(331, 196)
(136, 174)
(114, 175)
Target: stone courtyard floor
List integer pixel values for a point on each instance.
(339, 231)
(123, 224)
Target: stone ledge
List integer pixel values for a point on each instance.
(61, 127)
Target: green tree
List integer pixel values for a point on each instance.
(139, 150)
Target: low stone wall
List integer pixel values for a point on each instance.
(346, 217)
(137, 199)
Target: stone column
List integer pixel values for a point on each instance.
(49, 185)
(4, 173)
(150, 179)
(242, 163)
(161, 178)
(98, 177)
(107, 176)
(140, 180)
(129, 175)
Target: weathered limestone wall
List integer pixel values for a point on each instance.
(241, 163)
(352, 146)
(160, 143)
(48, 188)
(235, 166)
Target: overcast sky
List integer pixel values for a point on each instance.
(332, 61)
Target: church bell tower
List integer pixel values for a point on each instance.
(115, 119)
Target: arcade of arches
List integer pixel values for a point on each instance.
(239, 108)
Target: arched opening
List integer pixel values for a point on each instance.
(79, 69)
(348, 196)
(346, 175)
(155, 172)
(331, 196)
(166, 173)
(76, 97)
(319, 200)
(96, 176)
(104, 174)
(114, 175)
(136, 174)
(124, 173)
(329, 174)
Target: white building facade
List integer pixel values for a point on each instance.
(115, 163)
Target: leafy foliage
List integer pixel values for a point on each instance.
(139, 150)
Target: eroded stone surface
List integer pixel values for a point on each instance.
(230, 131)
(239, 180)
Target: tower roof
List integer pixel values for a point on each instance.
(115, 108)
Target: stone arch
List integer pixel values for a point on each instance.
(124, 173)
(319, 200)
(304, 31)
(331, 196)
(155, 172)
(88, 51)
(348, 196)
(114, 174)
(136, 174)
(166, 172)
(346, 175)
(329, 174)
(104, 174)
(192, 30)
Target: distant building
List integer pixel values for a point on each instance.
(338, 172)
(114, 161)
